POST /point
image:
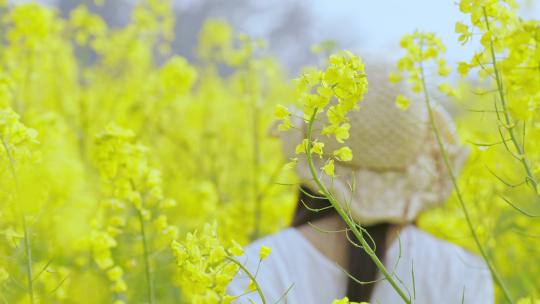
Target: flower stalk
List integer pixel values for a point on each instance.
(26, 235)
(147, 270)
(251, 277)
(496, 277)
(508, 122)
(28, 251)
(350, 223)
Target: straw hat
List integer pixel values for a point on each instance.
(397, 168)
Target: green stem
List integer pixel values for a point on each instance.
(28, 260)
(247, 71)
(508, 120)
(11, 160)
(350, 223)
(256, 169)
(444, 153)
(251, 277)
(27, 247)
(148, 274)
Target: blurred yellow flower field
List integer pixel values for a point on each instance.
(129, 174)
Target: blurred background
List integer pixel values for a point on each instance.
(292, 27)
(199, 129)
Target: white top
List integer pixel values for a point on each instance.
(443, 272)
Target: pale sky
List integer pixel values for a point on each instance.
(382, 23)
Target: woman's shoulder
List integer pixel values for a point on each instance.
(289, 246)
(291, 266)
(279, 242)
(442, 271)
(428, 245)
(274, 238)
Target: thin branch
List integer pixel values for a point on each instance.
(502, 180)
(315, 209)
(324, 230)
(251, 277)
(285, 293)
(518, 209)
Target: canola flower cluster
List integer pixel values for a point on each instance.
(207, 267)
(334, 91)
(18, 142)
(509, 57)
(421, 48)
(115, 153)
(205, 270)
(133, 193)
(15, 135)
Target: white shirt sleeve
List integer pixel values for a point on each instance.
(295, 272)
(443, 272)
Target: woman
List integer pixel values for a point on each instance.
(399, 172)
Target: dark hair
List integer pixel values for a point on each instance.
(360, 265)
